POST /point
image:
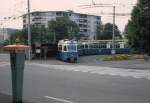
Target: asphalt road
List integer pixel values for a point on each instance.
(75, 83)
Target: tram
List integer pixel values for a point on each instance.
(70, 50)
(102, 47)
(67, 50)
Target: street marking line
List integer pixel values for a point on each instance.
(101, 70)
(59, 99)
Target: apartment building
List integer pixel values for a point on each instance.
(87, 23)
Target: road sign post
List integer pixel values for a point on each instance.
(17, 58)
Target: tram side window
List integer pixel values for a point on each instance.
(110, 45)
(117, 46)
(102, 46)
(126, 46)
(91, 46)
(79, 46)
(82, 46)
(86, 46)
(95, 45)
(65, 48)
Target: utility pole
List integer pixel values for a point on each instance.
(113, 36)
(114, 13)
(29, 30)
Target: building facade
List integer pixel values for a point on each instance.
(3, 34)
(87, 23)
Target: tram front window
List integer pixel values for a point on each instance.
(72, 48)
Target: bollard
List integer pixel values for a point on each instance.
(17, 59)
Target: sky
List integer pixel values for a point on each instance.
(15, 8)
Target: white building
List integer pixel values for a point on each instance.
(3, 34)
(87, 23)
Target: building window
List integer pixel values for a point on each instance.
(69, 14)
(36, 14)
(98, 17)
(85, 21)
(59, 13)
(83, 16)
(85, 30)
(24, 20)
(85, 26)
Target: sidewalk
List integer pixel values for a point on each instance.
(8, 99)
(97, 60)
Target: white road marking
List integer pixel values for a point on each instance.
(100, 70)
(59, 99)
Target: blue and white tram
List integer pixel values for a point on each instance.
(102, 47)
(67, 50)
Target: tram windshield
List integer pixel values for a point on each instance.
(72, 48)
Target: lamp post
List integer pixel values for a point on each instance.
(113, 36)
(29, 30)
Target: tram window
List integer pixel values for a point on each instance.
(65, 48)
(102, 46)
(79, 46)
(91, 45)
(117, 46)
(71, 47)
(95, 45)
(86, 46)
(110, 45)
(82, 46)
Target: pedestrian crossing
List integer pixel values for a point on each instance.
(100, 70)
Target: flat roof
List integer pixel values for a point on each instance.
(63, 11)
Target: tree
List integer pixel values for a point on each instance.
(99, 31)
(14, 35)
(139, 27)
(126, 29)
(106, 31)
(63, 28)
(38, 34)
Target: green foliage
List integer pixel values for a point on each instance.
(99, 31)
(105, 32)
(139, 27)
(39, 34)
(117, 57)
(62, 28)
(14, 35)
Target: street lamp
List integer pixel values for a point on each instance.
(113, 36)
(29, 30)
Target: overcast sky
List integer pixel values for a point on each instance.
(15, 8)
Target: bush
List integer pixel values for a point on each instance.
(116, 57)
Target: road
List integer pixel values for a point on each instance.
(58, 82)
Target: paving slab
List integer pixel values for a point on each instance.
(4, 98)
